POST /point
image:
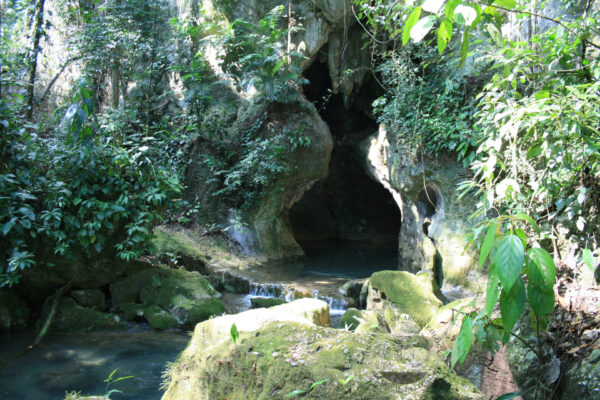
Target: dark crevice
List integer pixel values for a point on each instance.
(347, 206)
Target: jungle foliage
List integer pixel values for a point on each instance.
(529, 132)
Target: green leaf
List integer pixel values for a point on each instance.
(541, 270)
(531, 221)
(412, 19)
(588, 259)
(464, 48)
(233, 332)
(509, 260)
(512, 305)
(463, 341)
(542, 94)
(541, 299)
(487, 244)
(509, 4)
(295, 393)
(449, 9)
(8, 226)
(314, 385)
(422, 28)
(444, 34)
(492, 292)
(27, 212)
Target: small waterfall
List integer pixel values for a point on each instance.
(266, 290)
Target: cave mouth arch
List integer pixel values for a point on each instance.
(346, 211)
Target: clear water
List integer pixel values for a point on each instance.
(350, 260)
(82, 362)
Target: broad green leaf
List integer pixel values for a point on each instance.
(463, 341)
(433, 6)
(28, 212)
(444, 34)
(233, 332)
(540, 268)
(542, 94)
(509, 396)
(512, 304)
(541, 299)
(588, 259)
(492, 292)
(412, 19)
(465, 15)
(449, 9)
(509, 260)
(8, 226)
(464, 48)
(534, 151)
(487, 244)
(509, 4)
(531, 221)
(422, 28)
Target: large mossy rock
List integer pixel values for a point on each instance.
(14, 312)
(71, 317)
(409, 293)
(583, 379)
(281, 350)
(186, 296)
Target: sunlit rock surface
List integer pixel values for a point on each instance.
(282, 350)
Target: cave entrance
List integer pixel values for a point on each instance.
(346, 220)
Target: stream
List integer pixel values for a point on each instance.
(83, 361)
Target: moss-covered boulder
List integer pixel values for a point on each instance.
(409, 293)
(273, 358)
(351, 319)
(90, 298)
(71, 317)
(583, 378)
(131, 311)
(178, 247)
(14, 312)
(185, 295)
(265, 302)
(159, 318)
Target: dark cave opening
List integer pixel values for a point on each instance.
(347, 209)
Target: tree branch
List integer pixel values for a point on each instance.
(53, 81)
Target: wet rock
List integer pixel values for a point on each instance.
(583, 379)
(90, 298)
(159, 318)
(352, 289)
(349, 319)
(409, 293)
(71, 317)
(14, 312)
(131, 311)
(185, 295)
(265, 302)
(280, 351)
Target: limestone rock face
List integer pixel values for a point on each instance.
(433, 217)
(270, 223)
(281, 350)
(406, 292)
(583, 381)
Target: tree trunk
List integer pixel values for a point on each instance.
(38, 30)
(115, 75)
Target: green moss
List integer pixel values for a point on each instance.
(159, 318)
(131, 311)
(282, 357)
(205, 310)
(408, 293)
(265, 302)
(349, 320)
(71, 317)
(177, 243)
